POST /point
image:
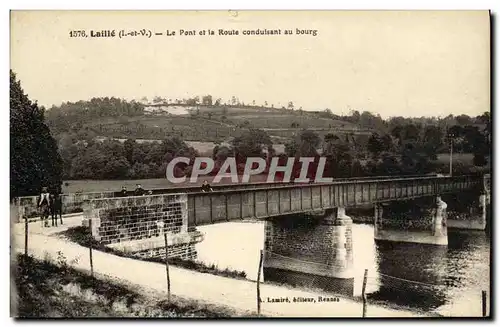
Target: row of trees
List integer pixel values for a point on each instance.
(72, 116)
(404, 151)
(208, 100)
(111, 159)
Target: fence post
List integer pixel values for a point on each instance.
(363, 292)
(484, 303)
(166, 264)
(90, 249)
(26, 237)
(258, 283)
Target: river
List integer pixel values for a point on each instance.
(448, 280)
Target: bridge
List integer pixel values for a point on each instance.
(263, 201)
(308, 235)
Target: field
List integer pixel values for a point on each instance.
(285, 120)
(214, 123)
(464, 158)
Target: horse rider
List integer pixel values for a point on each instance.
(44, 206)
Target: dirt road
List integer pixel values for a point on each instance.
(237, 294)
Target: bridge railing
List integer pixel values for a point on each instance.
(263, 202)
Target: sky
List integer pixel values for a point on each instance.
(394, 63)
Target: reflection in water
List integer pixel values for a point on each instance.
(461, 269)
(410, 274)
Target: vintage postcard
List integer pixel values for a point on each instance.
(228, 164)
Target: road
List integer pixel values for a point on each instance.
(240, 295)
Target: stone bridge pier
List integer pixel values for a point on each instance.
(311, 251)
(415, 221)
(469, 210)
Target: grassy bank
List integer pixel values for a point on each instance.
(81, 236)
(43, 289)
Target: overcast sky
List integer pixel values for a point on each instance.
(391, 63)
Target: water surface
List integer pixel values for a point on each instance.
(442, 279)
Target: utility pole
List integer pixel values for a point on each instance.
(451, 154)
(450, 137)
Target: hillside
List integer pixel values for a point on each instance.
(207, 123)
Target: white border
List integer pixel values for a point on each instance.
(494, 5)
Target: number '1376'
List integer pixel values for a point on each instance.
(81, 33)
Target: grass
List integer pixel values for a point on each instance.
(464, 158)
(81, 236)
(43, 289)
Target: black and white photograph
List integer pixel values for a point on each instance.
(184, 164)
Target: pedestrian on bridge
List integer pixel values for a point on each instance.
(205, 187)
(139, 190)
(123, 192)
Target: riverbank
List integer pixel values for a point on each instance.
(82, 236)
(46, 290)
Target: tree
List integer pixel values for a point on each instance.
(207, 100)
(397, 132)
(413, 161)
(116, 168)
(339, 157)
(388, 166)
(306, 144)
(463, 120)
(250, 144)
(129, 146)
(34, 158)
(375, 145)
(355, 116)
(387, 143)
(433, 140)
(157, 99)
(330, 137)
(479, 159)
(290, 105)
(223, 153)
(411, 132)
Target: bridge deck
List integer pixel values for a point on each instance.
(263, 202)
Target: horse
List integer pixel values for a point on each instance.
(56, 208)
(44, 208)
